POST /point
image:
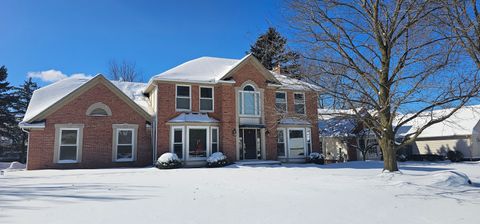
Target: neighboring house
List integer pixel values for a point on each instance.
(460, 132)
(195, 109)
(340, 131)
(342, 134)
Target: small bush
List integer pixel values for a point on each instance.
(316, 158)
(455, 156)
(217, 159)
(168, 161)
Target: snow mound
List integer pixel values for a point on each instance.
(168, 157)
(12, 166)
(216, 157)
(449, 179)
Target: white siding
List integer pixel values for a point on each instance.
(442, 146)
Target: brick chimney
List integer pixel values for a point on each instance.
(277, 69)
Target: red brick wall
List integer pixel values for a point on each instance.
(225, 111)
(97, 133)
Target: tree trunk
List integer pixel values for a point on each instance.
(389, 155)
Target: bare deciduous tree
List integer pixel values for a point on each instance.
(387, 57)
(124, 71)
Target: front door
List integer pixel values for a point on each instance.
(250, 143)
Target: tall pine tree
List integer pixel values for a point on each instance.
(22, 94)
(7, 117)
(270, 49)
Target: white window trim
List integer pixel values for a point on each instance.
(200, 98)
(295, 103)
(211, 139)
(187, 145)
(304, 143)
(172, 140)
(60, 145)
(118, 144)
(183, 97)
(58, 138)
(98, 105)
(286, 101)
(257, 104)
(285, 146)
(116, 128)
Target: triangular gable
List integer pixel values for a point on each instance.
(84, 88)
(253, 60)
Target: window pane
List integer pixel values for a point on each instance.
(183, 103)
(299, 109)
(214, 135)
(296, 143)
(280, 97)
(183, 91)
(298, 98)
(125, 137)
(124, 152)
(69, 137)
(214, 147)
(206, 104)
(281, 107)
(249, 103)
(68, 153)
(177, 136)
(99, 112)
(178, 149)
(248, 88)
(206, 92)
(280, 149)
(280, 137)
(197, 143)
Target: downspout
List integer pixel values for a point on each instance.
(154, 126)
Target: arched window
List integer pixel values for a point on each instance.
(99, 109)
(249, 101)
(248, 88)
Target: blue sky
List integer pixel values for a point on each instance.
(83, 36)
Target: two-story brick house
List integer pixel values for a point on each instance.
(202, 106)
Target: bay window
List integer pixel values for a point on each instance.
(281, 142)
(296, 143)
(197, 142)
(214, 139)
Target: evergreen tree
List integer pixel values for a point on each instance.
(22, 94)
(7, 118)
(270, 49)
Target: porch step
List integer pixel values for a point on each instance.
(257, 162)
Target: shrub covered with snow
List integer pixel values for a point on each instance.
(316, 157)
(217, 159)
(455, 156)
(168, 161)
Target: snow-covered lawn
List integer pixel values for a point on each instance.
(355, 192)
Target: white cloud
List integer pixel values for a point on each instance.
(53, 75)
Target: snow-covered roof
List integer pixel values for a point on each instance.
(47, 96)
(326, 113)
(462, 122)
(337, 127)
(213, 70)
(294, 121)
(203, 69)
(193, 118)
(294, 84)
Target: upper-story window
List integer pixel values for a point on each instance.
(249, 100)
(183, 97)
(281, 102)
(206, 99)
(299, 102)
